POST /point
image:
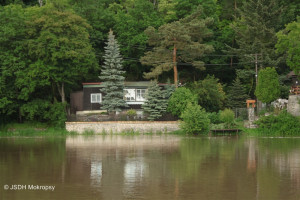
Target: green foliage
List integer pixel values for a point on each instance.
(38, 109)
(46, 52)
(179, 100)
(210, 93)
(255, 31)
(59, 48)
(112, 77)
(195, 120)
(289, 43)
(283, 124)
(155, 104)
(186, 35)
(57, 114)
(214, 117)
(227, 116)
(131, 20)
(268, 88)
(237, 95)
(131, 113)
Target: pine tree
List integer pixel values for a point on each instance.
(237, 95)
(186, 35)
(155, 105)
(112, 77)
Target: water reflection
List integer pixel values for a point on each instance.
(96, 173)
(152, 167)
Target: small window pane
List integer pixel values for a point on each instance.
(96, 98)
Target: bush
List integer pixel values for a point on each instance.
(195, 120)
(283, 124)
(131, 114)
(210, 93)
(214, 118)
(179, 100)
(227, 116)
(56, 114)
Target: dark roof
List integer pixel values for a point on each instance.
(127, 84)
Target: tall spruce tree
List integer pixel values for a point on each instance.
(155, 105)
(112, 77)
(237, 95)
(256, 31)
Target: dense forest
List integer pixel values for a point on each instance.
(49, 47)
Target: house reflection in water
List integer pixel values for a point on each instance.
(118, 165)
(96, 173)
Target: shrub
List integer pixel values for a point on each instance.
(227, 116)
(282, 124)
(195, 120)
(131, 114)
(56, 114)
(268, 88)
(214, 118)
(179, 100)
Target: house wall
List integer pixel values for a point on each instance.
(87, 105)
(76, 101)
(123, 126)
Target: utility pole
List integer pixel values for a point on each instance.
(256, 79)
(175, 67)
(256, 74)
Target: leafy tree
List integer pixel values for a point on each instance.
(237, 94)
(13, 59)
(195, 120)
(255, 31)
(289, 43)
(210, 93)
(186, 36)
(101, 18)
(156, 104)
(179, 100)
(59, 47)
(112, 76)
(268, 88)
(131, 19)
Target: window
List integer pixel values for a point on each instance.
(96, 98)
(141, 94)
(129, 94)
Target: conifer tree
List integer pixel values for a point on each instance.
(237, 95)
(155, 105)
(112, 77)
(256, 31)
(186, 35)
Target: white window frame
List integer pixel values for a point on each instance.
(142, 96)
(130, 94)
(96, 95)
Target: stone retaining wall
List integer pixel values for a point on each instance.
(123, 126)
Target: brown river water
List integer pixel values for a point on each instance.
(149, 167)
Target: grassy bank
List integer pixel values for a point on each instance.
(32, 129)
